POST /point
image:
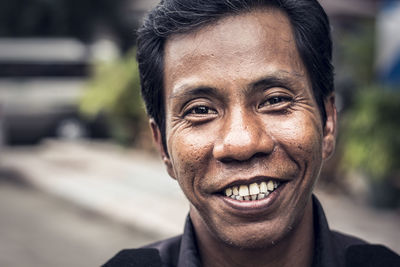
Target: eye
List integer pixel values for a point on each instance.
(276, 102)
(200, 111)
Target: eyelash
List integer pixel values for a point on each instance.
(278, 100)
(201, 109)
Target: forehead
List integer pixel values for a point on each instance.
(237, 47)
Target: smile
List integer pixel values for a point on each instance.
(254, 191)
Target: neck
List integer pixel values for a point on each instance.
(296, 249)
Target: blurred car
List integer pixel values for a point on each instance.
(41, 81)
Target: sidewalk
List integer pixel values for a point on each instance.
(133, 187)
(128, 186)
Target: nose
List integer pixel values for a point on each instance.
(242, 137)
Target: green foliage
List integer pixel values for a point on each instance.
(115, 90)
(370, 133)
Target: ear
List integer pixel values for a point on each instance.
(329, 139)
(157, 137)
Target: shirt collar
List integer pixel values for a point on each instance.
(188, 253)
(324, 252)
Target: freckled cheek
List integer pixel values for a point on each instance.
(301, 138)
(189, 155)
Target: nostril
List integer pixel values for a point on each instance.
(227, 160)
(257, 155)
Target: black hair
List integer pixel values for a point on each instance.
(308, 19)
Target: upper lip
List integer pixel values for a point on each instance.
(248, 181)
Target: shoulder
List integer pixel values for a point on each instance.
(135, 257)
(341, 240)
(360, 253)
(371, 255)
(334, 249)
(161, 253)
(168, 250)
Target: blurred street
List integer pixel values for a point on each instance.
(39, 230)
(77, 204)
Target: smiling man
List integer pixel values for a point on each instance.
(240, 95)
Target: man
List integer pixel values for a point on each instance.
(240, 95)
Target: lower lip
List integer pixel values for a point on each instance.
(248, 208)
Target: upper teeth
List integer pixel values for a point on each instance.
(253, 191)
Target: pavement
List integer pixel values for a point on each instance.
(130, 186)
(41, 230)
(133, 188)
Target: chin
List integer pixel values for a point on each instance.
(245, 243)
(259, 237)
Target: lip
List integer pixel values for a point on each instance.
(256, 207)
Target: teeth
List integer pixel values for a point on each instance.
(252, 192)
(270, 185)
(263, 187)
(254, 189)
(243, 190)
(228, 192)
(235, 190)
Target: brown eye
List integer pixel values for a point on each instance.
(275, 100)
(200, 110)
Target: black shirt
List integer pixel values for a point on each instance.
(332, 249)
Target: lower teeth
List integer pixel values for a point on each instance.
(252, 197)
(252, 192)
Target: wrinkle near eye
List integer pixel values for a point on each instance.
(302, 102)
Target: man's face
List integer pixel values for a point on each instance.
(240, 111)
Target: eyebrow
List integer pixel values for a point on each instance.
(184, 91)
(269, 81)
(278, 78)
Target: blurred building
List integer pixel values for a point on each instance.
(41, 80)
(350, 8)
(388, 42)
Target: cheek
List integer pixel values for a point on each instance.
(301, 138)
(189, 153)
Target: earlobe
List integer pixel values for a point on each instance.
(157, 137)
(329, 140)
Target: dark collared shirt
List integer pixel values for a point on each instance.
(330, 246)
(332, 249)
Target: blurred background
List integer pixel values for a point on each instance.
(79, 176)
